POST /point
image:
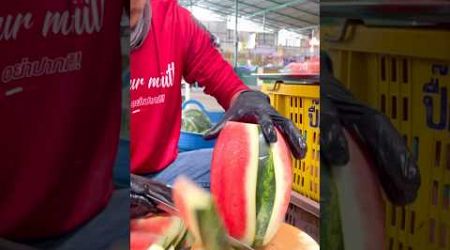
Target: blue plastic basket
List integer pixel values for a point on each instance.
(192, 141)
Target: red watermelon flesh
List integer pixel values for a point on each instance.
(159, 232)
(142, 240)
(360, 200)
(251, 182)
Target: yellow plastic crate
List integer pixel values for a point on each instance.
(300, 103)
(404, 72)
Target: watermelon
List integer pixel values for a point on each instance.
(195, 121)
(198, 211)
(362, 215)
(251, 182)
(157, 233)
(352, 203)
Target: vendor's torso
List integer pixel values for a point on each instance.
(60, 113)
(155, 89)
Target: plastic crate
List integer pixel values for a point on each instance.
(404, 73)
(301, 104)
(305, 215)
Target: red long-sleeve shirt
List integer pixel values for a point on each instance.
(176, 46)
(60, 91)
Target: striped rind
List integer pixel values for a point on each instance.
(265, 190)
(283, 175)
(189, 198)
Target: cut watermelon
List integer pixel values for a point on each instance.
(160, 232)
(251, 182)
(198, 211)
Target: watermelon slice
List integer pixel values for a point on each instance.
(198, 211)
(251, 182)
(154, 233)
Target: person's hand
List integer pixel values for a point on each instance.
(397, 169)
(140, 203)
(254, 106)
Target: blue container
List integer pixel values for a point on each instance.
(192, 141)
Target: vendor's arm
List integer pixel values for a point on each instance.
(204, 64)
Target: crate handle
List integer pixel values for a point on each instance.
(276, 86)
(342, 31)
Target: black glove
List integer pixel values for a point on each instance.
(140, 203)
(397, 169)
(254, 107)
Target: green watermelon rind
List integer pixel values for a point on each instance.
(266, 189)
(212, 231)
(331, 235)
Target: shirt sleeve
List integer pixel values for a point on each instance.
(203, 63)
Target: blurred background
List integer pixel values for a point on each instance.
(260, 36)
(394, 56)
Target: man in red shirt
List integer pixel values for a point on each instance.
(168, 45)
(60, 91)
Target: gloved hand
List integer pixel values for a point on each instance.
(140, 203)
(254, 107)
(397, 169)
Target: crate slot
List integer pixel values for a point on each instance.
(437, 155)
(393, 70)
(400, 246)
(448, 156)
(394, 108)
(383, 104)
(435, 193)
(383, 68)
(405, 71)
(405, 108)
